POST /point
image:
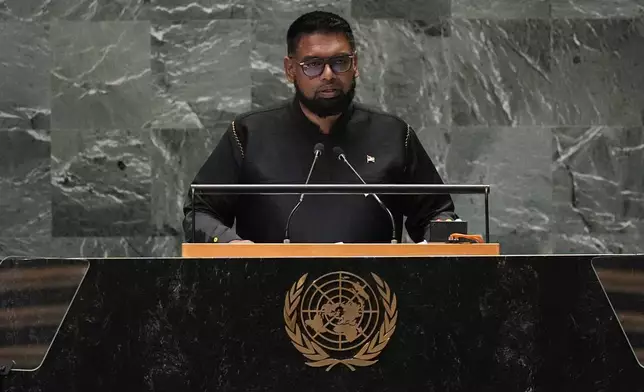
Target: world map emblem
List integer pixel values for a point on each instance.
(339, 318)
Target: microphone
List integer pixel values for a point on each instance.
(340, 153)
(318, 149)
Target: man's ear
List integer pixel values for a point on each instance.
(288, 69)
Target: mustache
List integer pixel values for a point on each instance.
(329, 87)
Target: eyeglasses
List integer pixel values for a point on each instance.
(316, 66)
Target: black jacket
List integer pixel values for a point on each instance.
(275, 145)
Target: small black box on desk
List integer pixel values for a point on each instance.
(440, 230)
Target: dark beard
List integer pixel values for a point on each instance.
(325, 107)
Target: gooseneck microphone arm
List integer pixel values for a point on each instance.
(317, 151)
(340, 153)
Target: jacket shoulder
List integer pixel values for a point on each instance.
(262, 113)
(386, 122)
(244, 122)
(380, 116)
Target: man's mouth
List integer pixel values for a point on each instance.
(329, 91)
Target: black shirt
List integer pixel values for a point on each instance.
(275, 146)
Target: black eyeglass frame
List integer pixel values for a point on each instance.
(327, 61)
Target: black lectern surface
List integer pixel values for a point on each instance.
(516, 323)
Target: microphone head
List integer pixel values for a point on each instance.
(339, 152)
(318, 148)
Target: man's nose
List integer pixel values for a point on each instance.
(327, 73)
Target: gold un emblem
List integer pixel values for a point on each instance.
(339, 313)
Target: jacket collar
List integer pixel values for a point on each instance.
(302, 121)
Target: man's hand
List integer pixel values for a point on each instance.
(241, 242)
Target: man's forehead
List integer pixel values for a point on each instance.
(323, 45)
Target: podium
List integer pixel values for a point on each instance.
(239, 318)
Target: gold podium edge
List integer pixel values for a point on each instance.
(246, 250)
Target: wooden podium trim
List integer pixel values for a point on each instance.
(246, 250)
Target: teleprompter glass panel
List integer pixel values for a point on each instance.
(622, 279)
(35, 295)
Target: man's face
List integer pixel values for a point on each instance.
(318, 87)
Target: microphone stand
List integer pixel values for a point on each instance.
(317, 151)
(344, 159)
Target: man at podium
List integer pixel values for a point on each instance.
(350, 142)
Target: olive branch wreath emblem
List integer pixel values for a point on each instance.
(316, 355)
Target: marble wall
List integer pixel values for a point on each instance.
(108, 108)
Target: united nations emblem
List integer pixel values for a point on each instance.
(340, 313)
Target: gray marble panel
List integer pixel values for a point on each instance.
(283, 12)
(501, 9)
(176, 157)
(404, 69)
(200, 69)
(101, 75)
(26, 62)
(597, 8)
(185, 10)
(25, 189)
(269, 83)
(597, 71)
(516, 162)
(91, 247)
(501, 72)
(436, 141)
(101, 183)
(47, 10)
(599, 189)
(406, 9)
(112, 10)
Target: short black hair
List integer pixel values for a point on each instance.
(317, 22)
